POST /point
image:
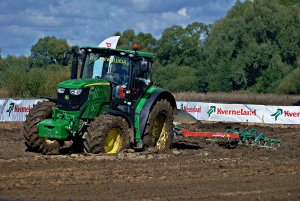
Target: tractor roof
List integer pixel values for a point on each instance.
(136, 53)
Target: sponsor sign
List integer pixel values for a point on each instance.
(2, 104)
(282, 114)
(235, 113)
(16, 109)
(242, 112)
(197, 109)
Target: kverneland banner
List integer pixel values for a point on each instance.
(17, 109)
(235, 113)
(197, 109)
(242, 112)
(282, 115)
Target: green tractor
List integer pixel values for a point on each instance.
(108, 105)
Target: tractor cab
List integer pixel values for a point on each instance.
(128, 71)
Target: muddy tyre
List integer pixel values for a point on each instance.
(159, 129)
(40, 111)
(107, 134)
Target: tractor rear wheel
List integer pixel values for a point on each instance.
(159, 130)
(107, 134)
(40, 111)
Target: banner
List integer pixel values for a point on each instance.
(282, 115)
(242, 112)
(235, 113)
(15, 109)
(197, 109)
(2, 105)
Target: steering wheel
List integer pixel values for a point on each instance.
(112, 77)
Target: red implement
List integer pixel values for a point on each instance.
(210, 134)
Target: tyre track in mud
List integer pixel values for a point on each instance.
(209, 173)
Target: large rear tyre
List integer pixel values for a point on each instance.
(107, 134)
(159, 129)
(40, 111)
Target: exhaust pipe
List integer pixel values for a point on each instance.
(74, 68)
(65, 62)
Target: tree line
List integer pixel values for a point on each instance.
(255, 48)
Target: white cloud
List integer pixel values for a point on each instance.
(87, 22)
(182, 12)
(41, 20)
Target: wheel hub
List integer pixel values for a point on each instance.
(161, 143)
(113, 141)
(159, 133)
(50, 142)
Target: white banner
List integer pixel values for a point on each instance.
(197, 109)
(282, 115)
(235, 113)
(242, 112)
(2, 105)
(16, 109)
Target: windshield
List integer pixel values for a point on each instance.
(114, 68)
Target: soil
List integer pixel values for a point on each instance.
(208, 172)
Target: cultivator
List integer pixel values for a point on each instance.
(232, 137)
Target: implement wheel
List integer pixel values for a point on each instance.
(40, 111)
(159, 130)
(107, 134)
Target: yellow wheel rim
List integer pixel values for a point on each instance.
(49, 142)
(159, 134)
(113, 141)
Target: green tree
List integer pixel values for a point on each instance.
(272, 76)
(176, 78)
(180, 45)
(146, 41)
(259, 41)
(48, 50)
(21, 80)
(12, 70)
(180, 53)
(290, 84)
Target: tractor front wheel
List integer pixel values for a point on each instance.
(159, 130)
(107, 134)
(40, 111)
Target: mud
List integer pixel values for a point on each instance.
(208, 172)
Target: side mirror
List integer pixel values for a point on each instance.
(144, 66)
(65, 60)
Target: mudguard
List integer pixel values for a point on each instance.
(144, 107)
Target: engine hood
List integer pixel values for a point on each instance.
(82, 83)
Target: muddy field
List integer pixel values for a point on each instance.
(202, 173)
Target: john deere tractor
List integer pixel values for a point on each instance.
(109, 104)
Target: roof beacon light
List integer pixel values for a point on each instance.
(135, 47)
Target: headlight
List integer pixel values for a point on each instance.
(60, 90)
(75, 92)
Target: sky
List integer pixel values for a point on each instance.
(88, 22)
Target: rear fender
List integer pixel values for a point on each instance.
(143, 110)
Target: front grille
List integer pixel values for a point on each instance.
(69, 102)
